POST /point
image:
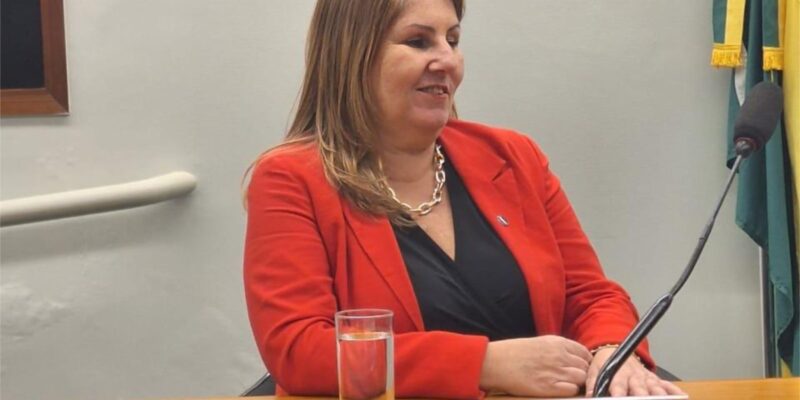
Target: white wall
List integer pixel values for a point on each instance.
(148, 302)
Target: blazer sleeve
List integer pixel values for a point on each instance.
(291, 301)
(597, 311)
(288, 287)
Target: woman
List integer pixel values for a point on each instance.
(380, 198)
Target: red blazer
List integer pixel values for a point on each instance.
(309, 253)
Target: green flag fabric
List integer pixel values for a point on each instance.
(728, 22)
(791, 117)
(764, 203)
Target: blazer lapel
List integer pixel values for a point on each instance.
(377, 240)
(492, 184)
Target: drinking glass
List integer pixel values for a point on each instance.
(365, 354)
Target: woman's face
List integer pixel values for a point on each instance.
(418, 70)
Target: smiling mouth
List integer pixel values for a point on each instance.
(435, 90)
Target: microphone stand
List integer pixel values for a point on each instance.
(657, 310)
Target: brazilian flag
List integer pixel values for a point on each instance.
(749, 37)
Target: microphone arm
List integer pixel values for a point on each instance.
(657, 310)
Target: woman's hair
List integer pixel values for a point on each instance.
(337, 106)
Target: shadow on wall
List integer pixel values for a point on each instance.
(110, 231)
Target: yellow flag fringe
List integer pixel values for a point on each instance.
(773, 59)
(726, 55)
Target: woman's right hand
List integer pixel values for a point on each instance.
(545, 366)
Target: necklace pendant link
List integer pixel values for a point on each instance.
(425, 208)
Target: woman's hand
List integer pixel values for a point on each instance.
(545, 366)
(632, 378)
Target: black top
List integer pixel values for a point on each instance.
(482, 292)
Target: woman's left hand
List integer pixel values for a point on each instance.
(632, 378)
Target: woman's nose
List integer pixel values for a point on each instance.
(446, 57)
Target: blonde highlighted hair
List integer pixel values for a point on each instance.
(336, 107)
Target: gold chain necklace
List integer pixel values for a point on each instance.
(436, 198)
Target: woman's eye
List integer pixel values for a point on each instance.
(424, 43)
(417, 43)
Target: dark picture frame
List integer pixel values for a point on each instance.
(52, 97)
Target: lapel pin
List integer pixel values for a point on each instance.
(502, 220)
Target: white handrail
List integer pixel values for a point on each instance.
(96, 200)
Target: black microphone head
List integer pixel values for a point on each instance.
(758, 116)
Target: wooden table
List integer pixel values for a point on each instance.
(753, 389)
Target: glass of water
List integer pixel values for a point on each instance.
(365, 354)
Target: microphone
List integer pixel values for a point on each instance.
(753, 127)
(757, 118)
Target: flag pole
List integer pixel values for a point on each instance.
(770, 356)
